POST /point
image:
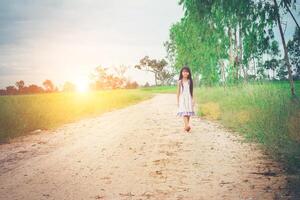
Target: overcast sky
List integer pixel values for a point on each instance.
(64, 40)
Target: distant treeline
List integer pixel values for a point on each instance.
(21, 88)
(101, 79)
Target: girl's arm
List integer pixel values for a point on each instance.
(178, 92)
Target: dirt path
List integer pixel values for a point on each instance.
(138, 152)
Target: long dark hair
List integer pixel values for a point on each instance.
(189, 78)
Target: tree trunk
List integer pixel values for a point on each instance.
(289, 10)
(286, 57)
(254, 67)
(230, 46)
(196, 79)
(241, 52)
(222, 64)
(236, 60)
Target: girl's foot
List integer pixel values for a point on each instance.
(188, 129)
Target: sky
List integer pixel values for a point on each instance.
(65, 40)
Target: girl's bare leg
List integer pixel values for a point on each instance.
(185, 119)
(188, 121)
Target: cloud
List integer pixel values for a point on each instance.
(13, 70)
(55, 37)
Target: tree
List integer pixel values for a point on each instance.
(287, 4)
(11, 90)
(282, 72)
(294, 52)
(49, 86)
(113, 82)
(131, 85)
(2, 92)
(158, 67)
(120, 73)
(121, 70)
(69, 87)
(99, 77)
(104, 80)
(165, 77)
(20, 85)
(213, 31)
(34, 89)
(286, 56)
(272, 65)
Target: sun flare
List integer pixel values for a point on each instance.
(82, 86)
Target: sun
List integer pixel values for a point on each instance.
(82, 86)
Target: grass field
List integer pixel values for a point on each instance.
(21, 114)
(261, 111)
(160, 89)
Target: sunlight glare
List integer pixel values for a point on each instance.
(82, 86)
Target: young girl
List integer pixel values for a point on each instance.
(185, 100)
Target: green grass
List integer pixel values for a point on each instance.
(160, 89)
(263, 112)
(21, 114)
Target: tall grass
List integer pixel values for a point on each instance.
(261, 111)
(21, 114)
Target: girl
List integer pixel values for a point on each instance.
(185, 100)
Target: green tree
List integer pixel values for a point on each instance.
(213, 31)
(294, 52)
(157, 67)
(285, 49)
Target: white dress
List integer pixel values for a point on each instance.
(185, 100)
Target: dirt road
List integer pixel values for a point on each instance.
(138, 152)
